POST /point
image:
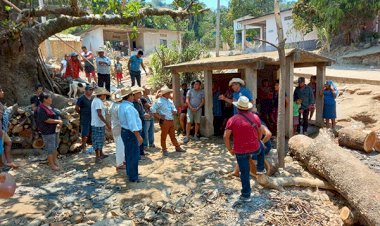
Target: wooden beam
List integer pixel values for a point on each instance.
(297, 65)
(207, 128)
(176, 95)
(251, 81)
(289, 92)
(321, 76)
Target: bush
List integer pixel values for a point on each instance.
(166, 56)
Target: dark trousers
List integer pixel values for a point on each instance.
(132, 155)
(218, 122)
(304, 121)
(243, 162)
(104, 79)
(136, 76)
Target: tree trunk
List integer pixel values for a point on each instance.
(357, 139)
(348, 217)
(352, 179)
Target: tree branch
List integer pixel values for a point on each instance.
(269, 43)
(57, 25)
(46, 11)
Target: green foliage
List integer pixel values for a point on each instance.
(328, 16)
(167, 56)
(227, 35)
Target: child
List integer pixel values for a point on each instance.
(118, 71)
(296, 113)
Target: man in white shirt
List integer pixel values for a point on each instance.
(98, 122)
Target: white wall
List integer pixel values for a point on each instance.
(152, 40)
(290, 33)
(93, 40)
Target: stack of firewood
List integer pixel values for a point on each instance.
(24, 137)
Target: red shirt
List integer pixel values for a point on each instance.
(246, 137)
(75, 68)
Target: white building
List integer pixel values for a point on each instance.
(266, 26)
(124, 39)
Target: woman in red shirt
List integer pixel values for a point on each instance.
(246, 130)
(73, 67)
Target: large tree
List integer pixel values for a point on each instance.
(21, 34)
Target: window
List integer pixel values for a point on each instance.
(288, 18)
(164, 42)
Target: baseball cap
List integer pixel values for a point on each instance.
(89, 87)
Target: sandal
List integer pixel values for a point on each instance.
(121, 167)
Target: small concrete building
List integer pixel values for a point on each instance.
(252, 68)
(266, 25)
(59, 45)
(124, 39)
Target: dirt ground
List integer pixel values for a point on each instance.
(192, 188)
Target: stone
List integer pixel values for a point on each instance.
(167, 208)
(115, 221)
(150, 215)
(180, 204)
(139, 206)
(201, 175)
(160, 204)
(76, 218)
(146, 209)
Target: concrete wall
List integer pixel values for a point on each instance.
(93, 40)
(152, 40)
(291, 34)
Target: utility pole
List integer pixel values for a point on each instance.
(47, 43)
(218, 29)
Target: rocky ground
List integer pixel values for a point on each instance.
(193, 188)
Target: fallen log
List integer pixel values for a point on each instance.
(357, 139)
(352, 179)
(377, 146)
(348, 217)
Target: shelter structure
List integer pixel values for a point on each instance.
(253, 68)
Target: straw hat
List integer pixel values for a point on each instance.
(243, 103)
(101, 91)
(237, 80)
(116, 96)
(125, 92)
(165, 90)
(137, 89)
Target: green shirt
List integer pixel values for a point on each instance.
(296, 109)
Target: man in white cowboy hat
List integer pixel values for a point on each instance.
(116, 129)
(246, 130)
(237, 85)
(98, 122)
(164, 110)
(131, 126)
(137, 93)
(103, 66)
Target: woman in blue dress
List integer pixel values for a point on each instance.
(329, 93)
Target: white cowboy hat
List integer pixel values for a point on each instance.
(236, 80)
(100, 49)
(116, 96)
(243, 103)
(125, 92)
(165, 90)
(136, 89)
(101, 91)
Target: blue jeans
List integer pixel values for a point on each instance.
(243, 162)
(148, 132)
(131, 150)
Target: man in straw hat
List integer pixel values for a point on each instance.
(237, 85)
(116, 129)
(137, 93)
(103, 66)
(164, 110)
(131, 126)
(246, 130)
(98, 122)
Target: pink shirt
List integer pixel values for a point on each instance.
(245, 136)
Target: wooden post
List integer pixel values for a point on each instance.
(243, 39)
(208, 125)
(289, 92)
(176, 95)
(321, 74)
(251, 81)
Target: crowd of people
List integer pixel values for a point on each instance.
(134, 112)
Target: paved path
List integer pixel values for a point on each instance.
(346, 74)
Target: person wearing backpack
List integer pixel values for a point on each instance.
(245, 127)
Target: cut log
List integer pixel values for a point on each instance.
(364, 92)
(75, 147)
(26, 126)
(27, 134)
(14, 121)
(351, 178)
(38, 143)
(377, 146)
(357, 139)
(348, 217)
(17, 129)
(20, 111)
(63, 149)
